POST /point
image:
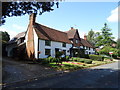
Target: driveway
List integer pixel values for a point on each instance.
(104, 76)
(17, 71)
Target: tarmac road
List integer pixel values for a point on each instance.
(104, 76)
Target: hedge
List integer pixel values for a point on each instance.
(96, 57)
(88, 61)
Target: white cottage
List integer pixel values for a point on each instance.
(42, 41)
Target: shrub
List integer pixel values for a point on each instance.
(51, 59)
(44, 60)
(88, 61)
(81, 60)
(108, 58)
(67, 58)
(96, 57)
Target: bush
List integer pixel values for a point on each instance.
(108, 58)
(67, 58)
(81, 60)
(96, 57)
(44, 60)
(51, 59)
(88, 61)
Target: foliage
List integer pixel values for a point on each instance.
(106, 49)
(20, 8)
(105, 37)
(67, 58)
(118, 46)
(90, 36)
(4, 36)
(96, 57)
(59, 54)
(118, 43)
(88, 61)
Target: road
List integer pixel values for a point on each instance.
(104, 76)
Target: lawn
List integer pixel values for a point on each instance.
(70, 65)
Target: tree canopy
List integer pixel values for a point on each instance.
(90, 36)
(4, 36)
(20, 8)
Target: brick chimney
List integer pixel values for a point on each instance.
(32, 18)
(30, 48)
(85, 37)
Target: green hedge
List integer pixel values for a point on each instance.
(96, 57)
(81, 60)
(88, 61)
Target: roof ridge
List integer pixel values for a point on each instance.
(51, 28)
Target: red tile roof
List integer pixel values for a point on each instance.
(71, 33)
(86, 43)
(47, 33)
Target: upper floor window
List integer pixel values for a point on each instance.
(63, 44)
(47, 43)
(89, 48)
(76, 41)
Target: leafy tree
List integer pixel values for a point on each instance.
(118, 43)
(106, 49)
(118, 46)
(4, 36)
(98, 39)
(90, 36)
(20, 8)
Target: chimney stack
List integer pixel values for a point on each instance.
(85, 37)
(32, 18)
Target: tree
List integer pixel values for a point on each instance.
(118, 46)
(118, 43)
(90, 36)
(104, 38)
(107, 36)
(5, 37)
(20, 8)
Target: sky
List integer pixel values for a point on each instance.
(83, 16)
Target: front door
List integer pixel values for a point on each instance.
(56, 50)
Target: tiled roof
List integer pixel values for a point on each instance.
(47, 33)
(19, 35)
(86, 43)
(71, 33)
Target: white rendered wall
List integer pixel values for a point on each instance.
(35, 44)
(54, 45)
(91, 51)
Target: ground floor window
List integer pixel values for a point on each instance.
(47, 52)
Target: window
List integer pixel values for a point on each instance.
(47, 43)
(47, 52)
(76, 41)
(64, 44)
(89, 48)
